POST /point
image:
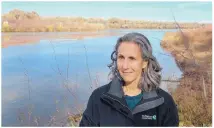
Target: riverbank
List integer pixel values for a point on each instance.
(20, 21)
(192, 50)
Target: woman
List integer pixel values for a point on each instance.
(133, 97)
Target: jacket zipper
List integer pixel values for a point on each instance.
(118, 102)
(122, 105)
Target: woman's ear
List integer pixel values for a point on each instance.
(144, 65)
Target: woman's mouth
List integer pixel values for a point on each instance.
(127, 73)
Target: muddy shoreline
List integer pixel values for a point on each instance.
(12, 39)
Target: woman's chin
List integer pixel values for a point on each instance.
(127, 80)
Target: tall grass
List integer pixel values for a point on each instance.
(194, 94)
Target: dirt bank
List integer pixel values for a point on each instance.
(10, 39)
(192, 49)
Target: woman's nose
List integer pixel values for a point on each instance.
(125, 64)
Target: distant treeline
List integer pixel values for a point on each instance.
(20, 21)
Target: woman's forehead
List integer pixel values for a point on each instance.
(129, 45)
(129, 48)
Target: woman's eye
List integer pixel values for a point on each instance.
(120, 57)
(131, 58)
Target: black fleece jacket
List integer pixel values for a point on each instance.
(107, 107)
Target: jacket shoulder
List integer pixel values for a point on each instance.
(168, 99)
(100, 90)
(168, 109)
(91, 114)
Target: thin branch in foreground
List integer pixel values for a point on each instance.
(86, 59)
(186, 41)
(29, 91)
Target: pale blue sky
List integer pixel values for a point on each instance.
(161, 11)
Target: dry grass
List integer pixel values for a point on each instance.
(193, 55)
(20, 21)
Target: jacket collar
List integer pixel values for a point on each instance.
(150, 99)
(116, 90)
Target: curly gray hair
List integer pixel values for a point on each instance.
(151, 76)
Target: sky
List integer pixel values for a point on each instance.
(138, 10)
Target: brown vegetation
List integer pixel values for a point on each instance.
(20, 21)
(192, 50)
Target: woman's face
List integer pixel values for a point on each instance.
(130, 62)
